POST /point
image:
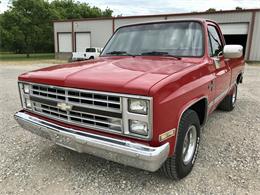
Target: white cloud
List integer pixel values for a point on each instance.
(142, 7)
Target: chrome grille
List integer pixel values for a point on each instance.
(84, 119)
(96, 110)
(83, 98)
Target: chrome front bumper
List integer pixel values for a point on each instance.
(124, 152)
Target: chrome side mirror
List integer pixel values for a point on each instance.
(233, 51)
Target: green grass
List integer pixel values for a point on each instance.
(7, 56)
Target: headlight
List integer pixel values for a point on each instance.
(28, 103)
(138, 127)
(137, 106)
(26, 88)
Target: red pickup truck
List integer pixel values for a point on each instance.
(144, 101)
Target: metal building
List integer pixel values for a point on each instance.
(238, 26)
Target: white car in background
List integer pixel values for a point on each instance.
(90, 53)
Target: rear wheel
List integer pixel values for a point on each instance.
(229, 102)
(181, 163)
(91, 57)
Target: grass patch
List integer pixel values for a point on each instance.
(6, 56)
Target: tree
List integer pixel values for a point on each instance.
(27, 26)
(239, 8)
(68, 9)
(211, 10)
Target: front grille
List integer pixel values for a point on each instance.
(79, 118)
(95, 110)
(100, 101)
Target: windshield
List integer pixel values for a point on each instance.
(172, 38)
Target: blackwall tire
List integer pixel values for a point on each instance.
(178, 166)
(229, 102)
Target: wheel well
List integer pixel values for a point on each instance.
(200, 108)
(239, 78)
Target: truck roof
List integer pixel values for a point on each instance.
(201, 20)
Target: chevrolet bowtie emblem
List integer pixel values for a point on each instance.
(64, 106)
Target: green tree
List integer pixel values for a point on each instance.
(239, 8)
(69, 9)
(211, 10)
(26, 27)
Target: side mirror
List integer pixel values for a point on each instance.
(233, 51)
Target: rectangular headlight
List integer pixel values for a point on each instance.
(138, 127)
(24, 90)
(28, 103)
(138, 106)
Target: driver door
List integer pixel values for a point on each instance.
(222, 70)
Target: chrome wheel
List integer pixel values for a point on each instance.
(234, 96)
(189, 144)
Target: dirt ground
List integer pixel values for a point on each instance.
(228, 160)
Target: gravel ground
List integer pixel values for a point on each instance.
(228, 160)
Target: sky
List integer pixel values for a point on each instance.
(144, 7)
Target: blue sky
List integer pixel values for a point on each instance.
(143, 7)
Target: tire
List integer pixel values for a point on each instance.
(178, 166)
(91, 58)
(229, 102)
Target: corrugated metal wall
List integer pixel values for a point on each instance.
(255, 48)
(124, 21)
(220, 17)
(100, 30)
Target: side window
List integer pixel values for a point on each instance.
(215, 41)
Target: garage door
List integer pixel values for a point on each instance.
(82, 41)
(65, 42)
(234, 29)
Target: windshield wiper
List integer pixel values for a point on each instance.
(160, 53)
(119, 53)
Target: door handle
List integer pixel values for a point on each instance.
(211, 85)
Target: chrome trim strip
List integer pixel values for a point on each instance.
(221, 96)
(124, 152)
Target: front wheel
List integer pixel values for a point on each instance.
(181, 163)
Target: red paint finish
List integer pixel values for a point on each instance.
(174, 84)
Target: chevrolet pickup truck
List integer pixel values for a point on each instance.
(144, 101)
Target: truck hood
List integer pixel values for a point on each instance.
(132, 75)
